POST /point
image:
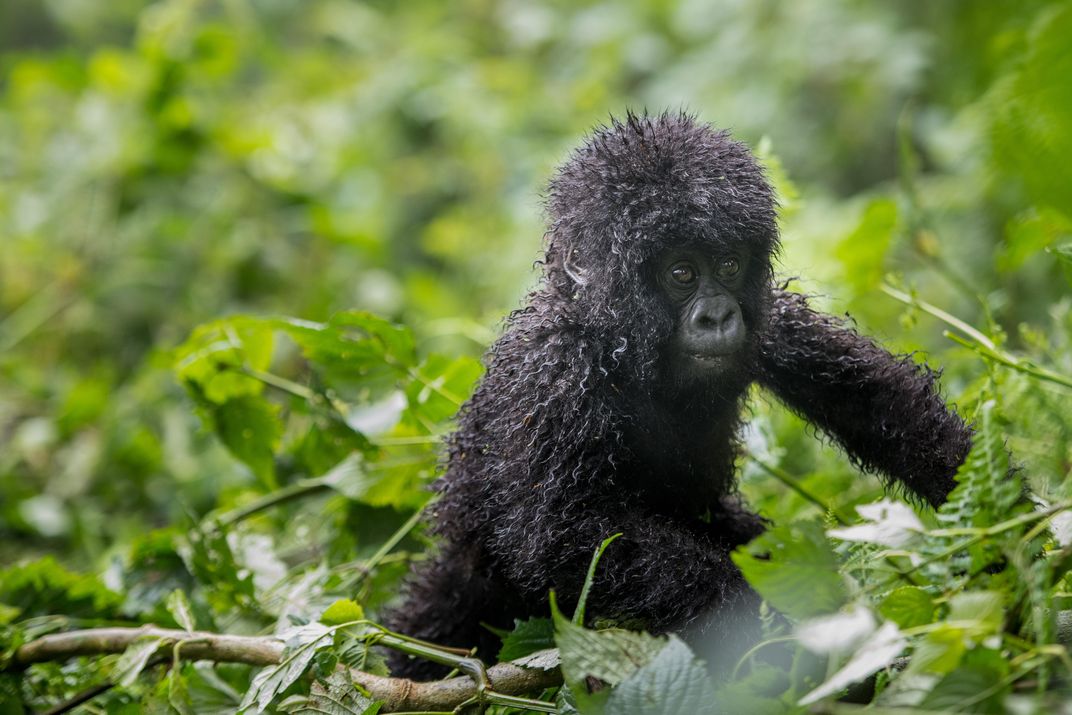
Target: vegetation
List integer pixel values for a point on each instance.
(250, 253)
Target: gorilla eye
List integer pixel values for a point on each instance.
(728, 267)
(683, 273)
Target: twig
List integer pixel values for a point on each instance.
(788, 480)
(979, 342)
(398, 694)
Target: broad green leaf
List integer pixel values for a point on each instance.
(251, 429)
(672, 683)
(356, 351)
(939, 652)
(977, 685)
(908, 606)
(530, 636)
(794, 569)
(216, 355)
(985, 608)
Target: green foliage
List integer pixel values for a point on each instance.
(174, 175)
(794, 569)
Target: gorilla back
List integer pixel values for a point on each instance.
(612, 402)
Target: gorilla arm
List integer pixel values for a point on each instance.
(884, 410)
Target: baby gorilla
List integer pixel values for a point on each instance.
(613, 402)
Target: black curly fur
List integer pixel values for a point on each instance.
(579, 431)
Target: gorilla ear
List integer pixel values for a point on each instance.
(576, 270)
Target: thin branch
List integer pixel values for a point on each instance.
(788, 480)
(280, 496)
(979, 342)
(398, 694)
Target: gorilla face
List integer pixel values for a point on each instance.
(703, 291)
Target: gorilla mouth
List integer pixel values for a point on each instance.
(711, 357)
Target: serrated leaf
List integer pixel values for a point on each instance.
(338, 695)
(672, 683)
(908, 606)
(302, 644)
(611, 655)
(135, 658)
(356, 350)
(179, 607)
(528, 637)
(541, 660)
(794, 569)
(886, 522)
(875, 653)
(837, 633)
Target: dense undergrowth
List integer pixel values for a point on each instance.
(262, 478)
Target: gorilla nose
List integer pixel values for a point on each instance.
(718, 315)
(715, 323)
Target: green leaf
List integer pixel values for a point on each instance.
(1030, 111)
(251, 429)
(986, 493)
(983, 608)
(610, 655)
(208, 556)
(44, 586)
(578, 614)
(528, 637)
(342, 611)
(356, 351)
(863, 252)
(214, 357)
(338, 695)
(975, 686)
(794, 568)
(875, 653)
(135, 658)
(178, 691)
(939, 652)
(179, 608)
(672, 683)
(439, 388)
(758, 693)
(908, 606)
(302, 644)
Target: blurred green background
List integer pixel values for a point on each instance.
(165, 164)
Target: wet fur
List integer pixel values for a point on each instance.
(579, 430)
